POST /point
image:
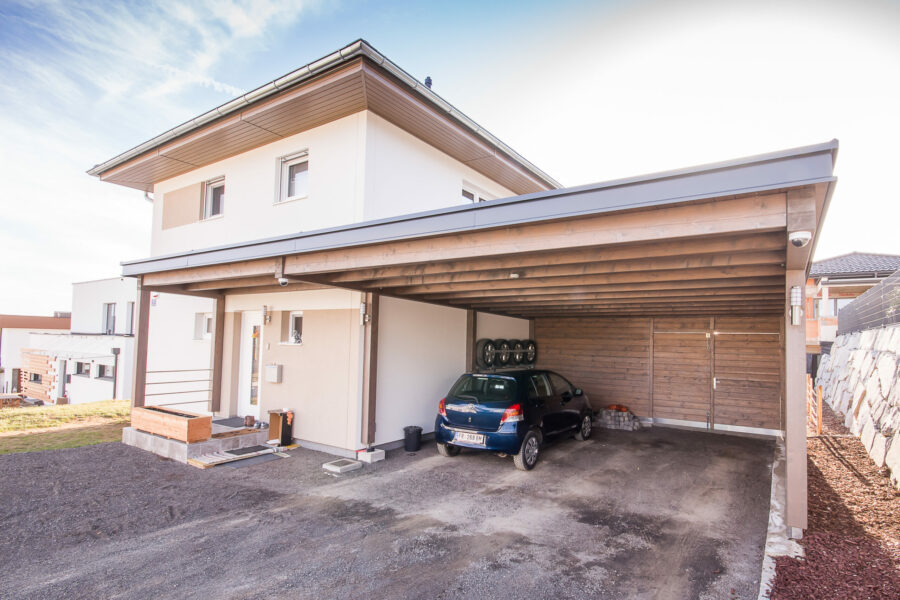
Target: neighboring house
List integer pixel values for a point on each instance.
(833, 283)
(14, 334)
(347, 236)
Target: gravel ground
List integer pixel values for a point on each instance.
(652, 514)
(853, 541)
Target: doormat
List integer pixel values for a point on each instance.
(230, 422)
(247, 450)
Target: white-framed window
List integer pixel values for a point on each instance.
(213, 198)
(129, 310)
(109, 318)
(295, 335)
(471, 195)
(105, 372)
(83, 368)
(203, 326)
(293, 177)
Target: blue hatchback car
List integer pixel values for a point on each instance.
(511, 412)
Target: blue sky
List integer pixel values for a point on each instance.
(588, 91)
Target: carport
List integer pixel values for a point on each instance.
(671, 293)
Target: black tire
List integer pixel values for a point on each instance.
(485, 353)
(529, 452)
(585, 429)
(530, 354)
(447, 449)
(518, 352)
(504, 353)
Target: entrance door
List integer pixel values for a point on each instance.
(251, 342)
(747, 376)
(681, 370)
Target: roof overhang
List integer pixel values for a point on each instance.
(706, 240)
(351, 80)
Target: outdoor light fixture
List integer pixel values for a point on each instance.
(796, 300)
(515, 274)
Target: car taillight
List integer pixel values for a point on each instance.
(512, 414)
(441, 408)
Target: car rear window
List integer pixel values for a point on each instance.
(476, 388)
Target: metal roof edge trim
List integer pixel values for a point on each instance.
(498, 213)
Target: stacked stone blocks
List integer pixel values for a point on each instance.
(860, 380)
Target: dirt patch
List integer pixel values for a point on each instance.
(853, 541)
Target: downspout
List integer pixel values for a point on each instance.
(115, 352)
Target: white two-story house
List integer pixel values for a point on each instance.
(337, 241)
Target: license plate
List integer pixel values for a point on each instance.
(469, 438)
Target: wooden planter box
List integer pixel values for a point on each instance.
(174, 424)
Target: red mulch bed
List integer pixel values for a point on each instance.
(853, 541)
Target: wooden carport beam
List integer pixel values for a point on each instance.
(741, 216)
(370, 368)
(695, 247)
(795, 407)
(216, 356)
(801, 216)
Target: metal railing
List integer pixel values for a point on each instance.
(878, 307)
(173, 385)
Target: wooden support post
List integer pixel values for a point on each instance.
(795, 409)
(216, 353)
(141, 335)
(370, 367)
(471, 319)
(819, 410)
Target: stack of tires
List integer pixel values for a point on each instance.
(497, 354)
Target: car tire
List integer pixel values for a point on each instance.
(517, 347)
(585, 428)
(529, 356)
(485, 353)
(447, 449)
(504, 353)
(529, 452)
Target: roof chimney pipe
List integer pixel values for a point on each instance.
(428, 82)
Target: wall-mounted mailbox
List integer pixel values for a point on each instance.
(273, 373)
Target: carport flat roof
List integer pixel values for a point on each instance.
(720, 225)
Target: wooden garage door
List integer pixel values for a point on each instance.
(681, 369)
(747, 371)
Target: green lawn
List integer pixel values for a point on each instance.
(66, 426)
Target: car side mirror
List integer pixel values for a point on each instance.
(579, 392)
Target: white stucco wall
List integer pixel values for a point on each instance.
(499, 327)
(250, 211)
(421, 352)
(171, 347)
(88, 298)
(406, 175)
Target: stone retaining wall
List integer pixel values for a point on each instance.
(861, 381)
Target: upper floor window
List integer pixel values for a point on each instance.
(203, 326)
(129, 310)
(109, 318)
(471, 196)
(293, 177)
(83, 368)
(213, 198)
(105, 372)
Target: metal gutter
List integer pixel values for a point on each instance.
(358, 48)
(780, 170)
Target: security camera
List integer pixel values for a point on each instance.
(800, 238)
(283, 281)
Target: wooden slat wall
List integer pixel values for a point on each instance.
(681, 364)
(607, 357)
(40, 364)
(748, 372)
(613, 358)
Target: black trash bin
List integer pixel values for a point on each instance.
(412, 438)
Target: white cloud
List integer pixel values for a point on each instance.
(84, 80)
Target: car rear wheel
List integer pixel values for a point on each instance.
(529, 452)
(586, 428)
(447, 449)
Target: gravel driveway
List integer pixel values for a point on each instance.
(652, 514)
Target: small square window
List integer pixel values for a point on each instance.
(83, 368)
(295, 335)
(203, 326)
(214, 198)
(293, 177)
(34, 377)
(470, 196)
(104, 372)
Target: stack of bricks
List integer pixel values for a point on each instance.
(617, 419)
